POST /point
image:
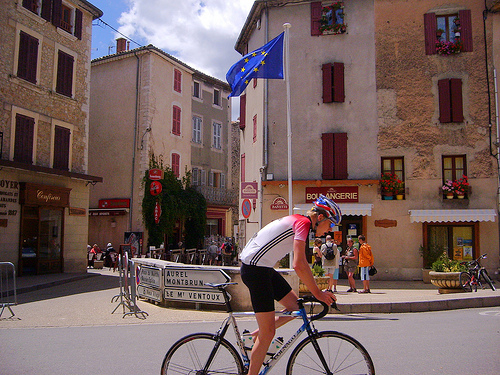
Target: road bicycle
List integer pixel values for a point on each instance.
(321, 352)
(472, 278)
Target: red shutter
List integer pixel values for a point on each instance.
(177, 80)
(430, 29)
(338, 83)
(457, 113)
(23, 142)
(46, 10)
(61, 148)
(327, 140)
(466, 30)
(28, 57)
(340, 156)
(444, 101)
(243, 111)
(176, 121)
(78, 23)
(316, 12)
(327, 83)
(56, 12)
(176, 164)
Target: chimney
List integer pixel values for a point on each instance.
(121, 45)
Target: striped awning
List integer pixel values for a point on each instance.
(348, 209)
(444, 216)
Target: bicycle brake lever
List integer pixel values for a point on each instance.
(334, 306)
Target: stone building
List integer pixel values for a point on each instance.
(44, 134)
(379, 86)
(145, 102)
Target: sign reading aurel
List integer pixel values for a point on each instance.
(186, 277)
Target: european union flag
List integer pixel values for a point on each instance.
(264, 62)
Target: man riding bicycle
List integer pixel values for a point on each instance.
(265, 284)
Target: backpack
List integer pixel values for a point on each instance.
(330, 252)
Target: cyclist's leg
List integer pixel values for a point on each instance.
(265, 334)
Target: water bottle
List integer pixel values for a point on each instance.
(247, 339)
(274, 347)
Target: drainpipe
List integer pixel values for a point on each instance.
(497, 129)
(263, 170)
(136, 126)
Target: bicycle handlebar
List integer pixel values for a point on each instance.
(322, 313)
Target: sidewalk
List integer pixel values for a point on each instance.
(86, 299)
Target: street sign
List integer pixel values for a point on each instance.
(194, 295)
(193, 278)
(149, 293)
(249, 190)
(149, 276)
(246, 208)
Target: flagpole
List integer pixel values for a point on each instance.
(287, 27)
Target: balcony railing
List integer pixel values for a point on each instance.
(215, 195)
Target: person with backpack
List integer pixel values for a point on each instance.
(331, 256)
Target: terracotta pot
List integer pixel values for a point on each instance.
(449, 196)
(321, 282)
(447, 282)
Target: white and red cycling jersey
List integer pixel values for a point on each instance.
(275, 240)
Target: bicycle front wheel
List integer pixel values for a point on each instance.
(465, 279)
(191, 354)
(342, 353)
(486, 278)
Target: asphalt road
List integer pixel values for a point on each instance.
(445, 342)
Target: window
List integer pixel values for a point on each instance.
(217, 129)
(217, 97)
(327, 19)
(254, 128)
(454, 167)
(28, 57)
(333, 83)
(66, 15)
(23, 139)
(242, 166)
(450, 100)
(61, 148)
(64, 83)
(176, 120)
(456, 239)
(334, 155)
(243, 110)
(394, 165)
(197, 89)
(448, 33)
(211, 179)
(222, 181)
(195, 177)
(197, 129)
(42, 8)
(203, 177)
(176, 158)
(177, 80)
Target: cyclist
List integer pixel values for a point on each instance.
(265, 284)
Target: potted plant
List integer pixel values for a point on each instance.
(332, 19)
(388, 185)
(400, 189)
(448, 48)
(439, 32)
(445, 274)
(458, 187)
(320, 278)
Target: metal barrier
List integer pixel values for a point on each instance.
(8, 289)
(127, 295)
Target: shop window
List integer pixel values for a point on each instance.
(456, 240)
(334, 155)
(177, 80)
(62, 138)
(448, 33)
(64, 83)
(333, 82)
(28, 57)
(197, 129)
(24, 136)
(216, 132)
(176, 120)
(176, 158)
(450, 100)
(243, 110)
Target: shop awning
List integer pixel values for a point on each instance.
(443, 216)
(348, 209)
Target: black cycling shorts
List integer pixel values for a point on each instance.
(265, 285)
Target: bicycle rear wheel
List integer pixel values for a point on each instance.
(190, 355)
(486, 277)
(343, 355)
(465, 280)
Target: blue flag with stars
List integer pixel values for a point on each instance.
(264, 62)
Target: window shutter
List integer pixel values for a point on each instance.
(457, 114)
(56, 12)
(430, 29)
(61, 148)
(78, 23)
(23, 142)
(444, 101)
(327, 140)
(327, 83)
(316, 12)
(28, 57)
(340, 156)
(338, 82)
(64, 83)
(46, 10)
(243, 111)
(176, 120)
(466, 29)
(176, 164)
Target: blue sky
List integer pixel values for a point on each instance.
(201, 33)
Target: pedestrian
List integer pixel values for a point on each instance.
(227, 252)
(212, 253)
(351, 263)
(265, 284)
(317, 252)
(331, 266)
(365, 262)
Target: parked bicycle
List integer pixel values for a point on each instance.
(322, 352)
(472, 278)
